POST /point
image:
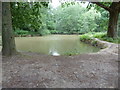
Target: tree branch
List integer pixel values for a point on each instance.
(103, 6)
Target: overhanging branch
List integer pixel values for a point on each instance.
(103, 6)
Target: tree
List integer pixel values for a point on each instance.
(0, 19)
(8, 40)
(75, 19)
(114, 10)
(29, 16)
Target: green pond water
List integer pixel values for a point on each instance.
(54, 45)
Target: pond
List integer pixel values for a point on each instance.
(54, 45)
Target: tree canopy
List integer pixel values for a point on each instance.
(39, 18)
(68, 18)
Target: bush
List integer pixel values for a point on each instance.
(85, 37)
(44, 32)
(103, 36)
(100, 35)
(74, 19)
(21, 32)
(53, 31)
(113, 40)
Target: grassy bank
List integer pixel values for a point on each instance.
(100, 35)
(25, 33)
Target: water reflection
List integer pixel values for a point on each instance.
(54, 45)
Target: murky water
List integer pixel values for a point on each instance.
(54, 45)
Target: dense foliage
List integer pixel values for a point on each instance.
(100, 35)
(75, 19)
(29, 16)
(39, 18)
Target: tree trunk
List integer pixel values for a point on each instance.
(112, 27)
(0, 18)
(8, 41)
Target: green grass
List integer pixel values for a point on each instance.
(100, 35)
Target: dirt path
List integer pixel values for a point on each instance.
(32, 70)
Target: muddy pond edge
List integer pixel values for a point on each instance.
(106, 47)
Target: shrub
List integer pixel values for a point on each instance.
(53, 31)
(100, 35)
(85, 37)
(103, 36)
(21, 32)
(44, 32)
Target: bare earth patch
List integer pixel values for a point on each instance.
(33, 70)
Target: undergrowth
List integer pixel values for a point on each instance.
(100, 35)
